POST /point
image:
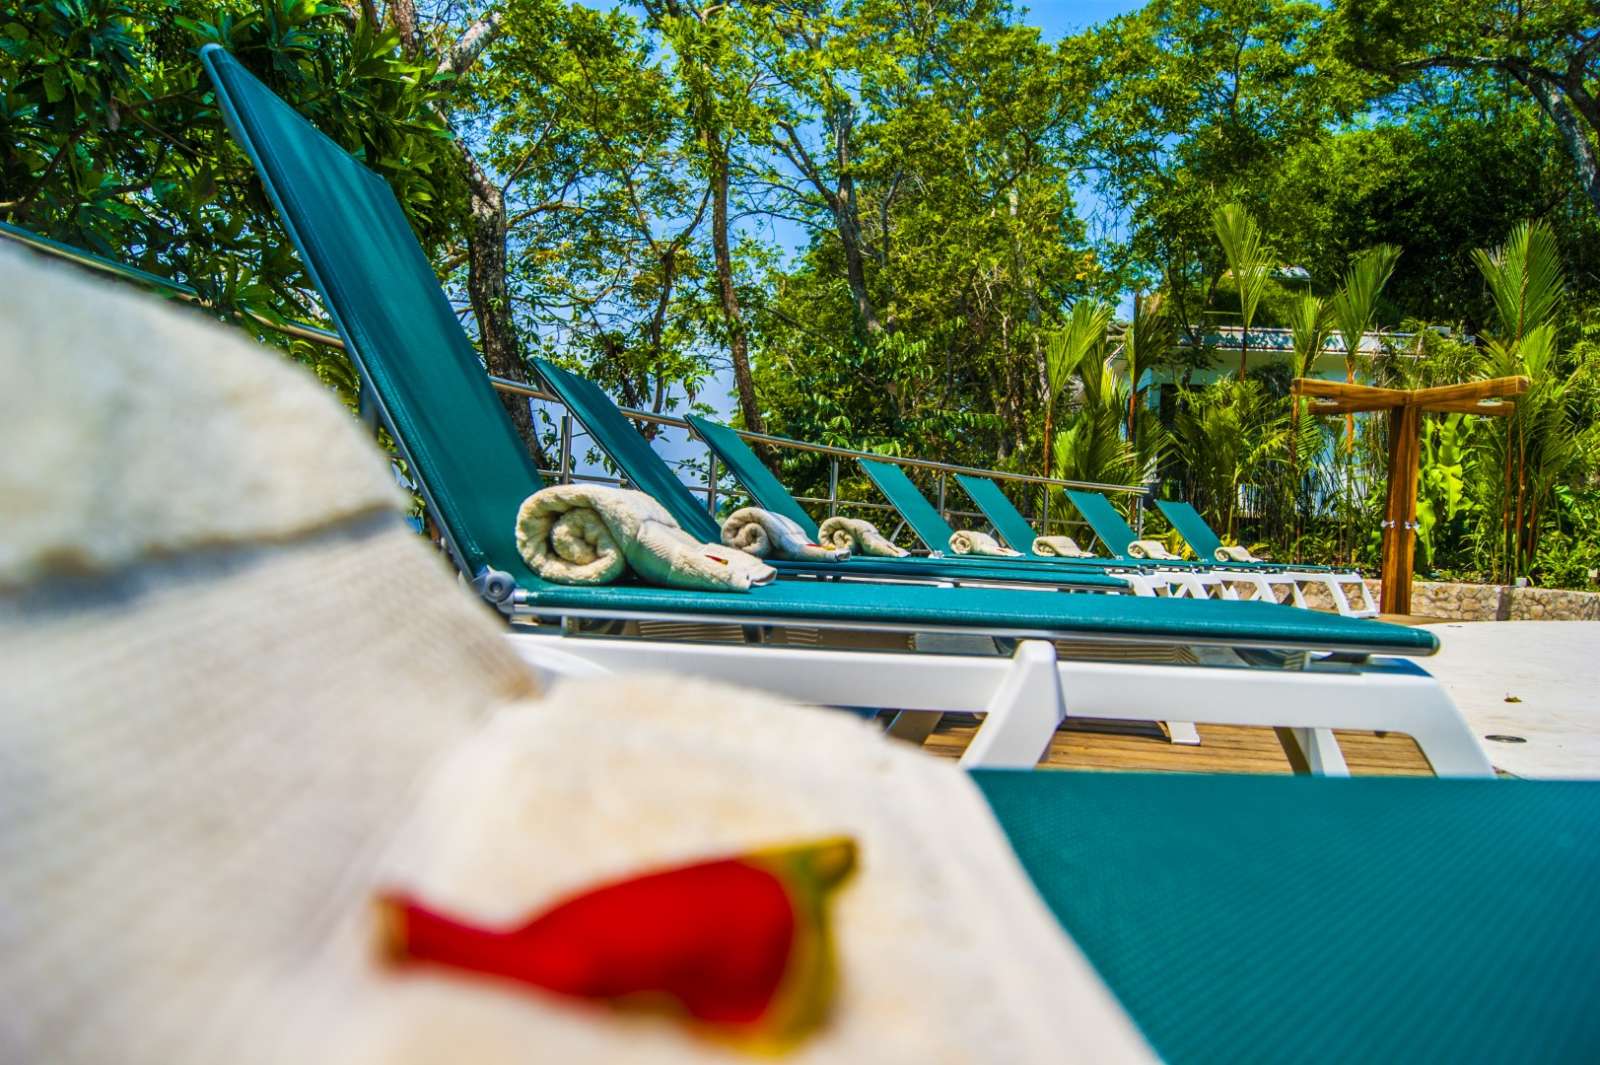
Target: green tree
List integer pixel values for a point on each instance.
(1551, 50)
(109, 138)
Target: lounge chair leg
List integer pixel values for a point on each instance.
(1182, 732)
(1023, 713)
(1340, 602)
(1314, 751)
(913, 726)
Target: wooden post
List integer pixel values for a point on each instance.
(1400, 515)
(1406, 407)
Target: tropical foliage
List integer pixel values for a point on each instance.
(919, 226)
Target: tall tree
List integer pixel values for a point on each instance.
(606, 199)
(1551, 49)
(109, 138)
(718, 83)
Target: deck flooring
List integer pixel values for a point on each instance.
(1118, 746)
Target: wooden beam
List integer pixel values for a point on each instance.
(1488, 408)
(1344, 391)
(1329, 406)
(1471, 390)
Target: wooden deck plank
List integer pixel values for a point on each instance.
(1113, 746)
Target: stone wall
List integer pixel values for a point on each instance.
(1483, 602)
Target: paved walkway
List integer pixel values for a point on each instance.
(1552, 667)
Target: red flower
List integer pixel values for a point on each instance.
(739, 944)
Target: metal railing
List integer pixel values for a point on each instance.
(564, 472)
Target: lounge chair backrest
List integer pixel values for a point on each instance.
(1013, 528)
(615, 435)
(1103, 518)
(398, 328)
(926, 522)
(1193, 527)
(768, 492)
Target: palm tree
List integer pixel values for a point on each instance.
(1525, 279)
(1352, 308)
(1065, 351)
(1310, 325)
(1542, 441)
(1247, 262)
(1225, 434)
(1147, 341)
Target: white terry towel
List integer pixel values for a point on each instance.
(1234, 553)
(1059, 547)
(859, 537)
(765, 534)
(969, 542)
(1150, 549)
(590, 534)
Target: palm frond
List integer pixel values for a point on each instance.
(1248, 261)
(1310, 323)
(1525, 278)
(1067, 347)
(1352, 305)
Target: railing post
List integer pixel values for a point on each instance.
(711, 484)
(1145, 499)
(366, 403)
(566, 448)
(942, 476)
(1044, 518)
(833, 486)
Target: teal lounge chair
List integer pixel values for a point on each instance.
(428, 388)
(645, 470)
(1265, 920)
(1007, 520)
(929, 526)
(1119, 539)
(769, 492)
(1016, 531)
(1206, 544)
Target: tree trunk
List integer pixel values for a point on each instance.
(733, 319)
(490, 295)
(1047, 427)
(487, 289)
(1557, 105)
(403, 13)
(848, 223)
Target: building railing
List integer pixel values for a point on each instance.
(565, 473)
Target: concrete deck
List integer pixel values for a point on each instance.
(1552, 667)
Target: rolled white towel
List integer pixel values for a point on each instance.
(857, 536)
(970, 542)
(1059, 547)
(591, 534)
(767, 535)
(1234, 553)
(1153, 549)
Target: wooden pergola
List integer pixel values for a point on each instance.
(1406, 407)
